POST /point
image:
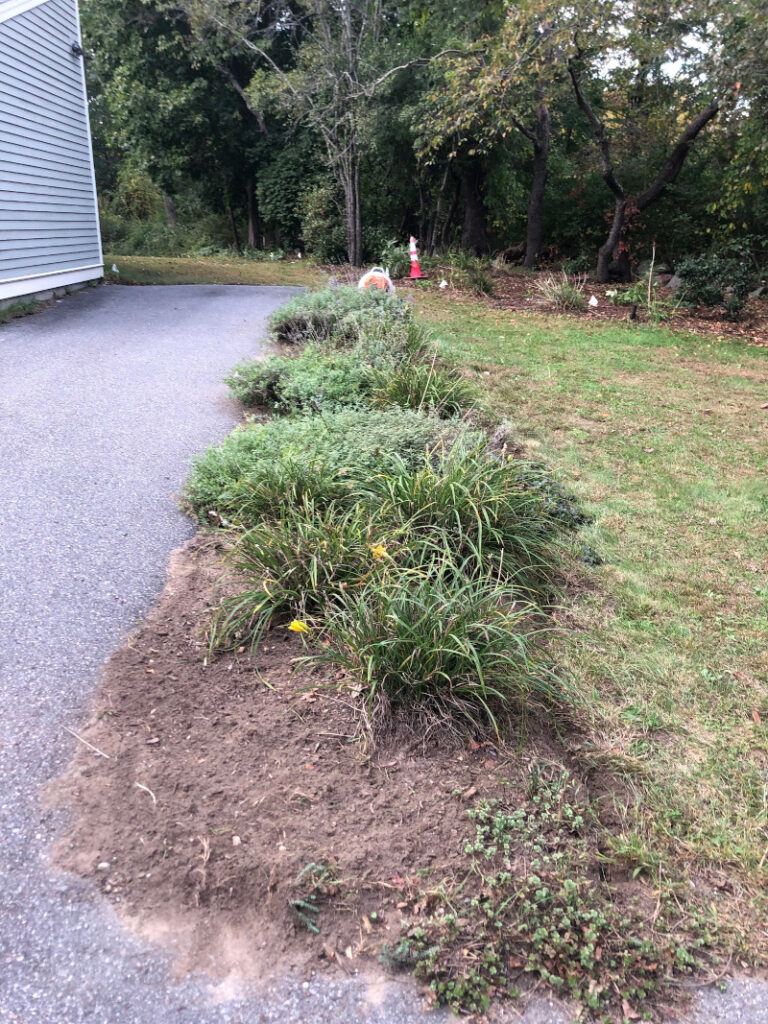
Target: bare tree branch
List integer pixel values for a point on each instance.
(601, 136)
(244, 97)
(676, 158)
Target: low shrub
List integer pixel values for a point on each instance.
(423, 386)
(438, 645)
(343, 312)
(715, 280)
(310, 380)
(562, 292)
(396, 256)
(259, 470)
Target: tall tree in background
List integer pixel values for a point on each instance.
(323, 63)
(633, 47)
(503, 84)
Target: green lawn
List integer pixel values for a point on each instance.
(211, 270)
(664, 437)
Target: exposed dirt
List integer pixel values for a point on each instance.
(221, 785)
(518, 292)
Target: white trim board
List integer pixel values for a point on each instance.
(11, 8)
(22, 286)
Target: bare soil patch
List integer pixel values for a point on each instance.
(223, 784)
(518, 292)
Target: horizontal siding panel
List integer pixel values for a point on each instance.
(53, 149)
(35, 134)
(17, 106)
(55, 23)
(31, 182)
(41, 247)
(40, 126)
(27, 220)
(30, 264)
(43, 80)
(52, 238)
(12, 164)
(59, 61)
(49, 35)
(38, 98)
(48, 219)
(76, 202)
(43, 204)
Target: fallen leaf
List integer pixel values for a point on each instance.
(649, 450)
(367, 926)
(628, 1012)
(469, 793)
(489, 764)
(756, 717)
(149, 671)
(348, 953)
(764, 405)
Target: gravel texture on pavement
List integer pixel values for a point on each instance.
(105, 398)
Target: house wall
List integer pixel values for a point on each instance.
(49, 227)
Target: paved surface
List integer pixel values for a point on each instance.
(104, 400)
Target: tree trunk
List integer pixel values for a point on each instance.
(438, 212)
(350, 181)
(253, 216)
(608, 249)
(612, 248)
(445, 234)
(170, 212)
(475, 233)
(535, 226)
(233, 227)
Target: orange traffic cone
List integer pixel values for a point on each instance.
(415, 268)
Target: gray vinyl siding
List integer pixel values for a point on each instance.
(48, 218)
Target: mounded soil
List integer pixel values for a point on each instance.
(223, 782)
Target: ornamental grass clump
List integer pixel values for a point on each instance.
(295, 567)
(438, 646)
(473, 500)
(563, 292)
(445, 393)
(261, 469)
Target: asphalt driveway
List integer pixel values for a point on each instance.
(104, 400)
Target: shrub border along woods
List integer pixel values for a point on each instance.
(406, 545)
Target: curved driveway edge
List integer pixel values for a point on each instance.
(105, 399)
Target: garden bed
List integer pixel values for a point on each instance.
(231, 782)
(315, 805)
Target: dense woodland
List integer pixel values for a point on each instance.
(581, 134)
